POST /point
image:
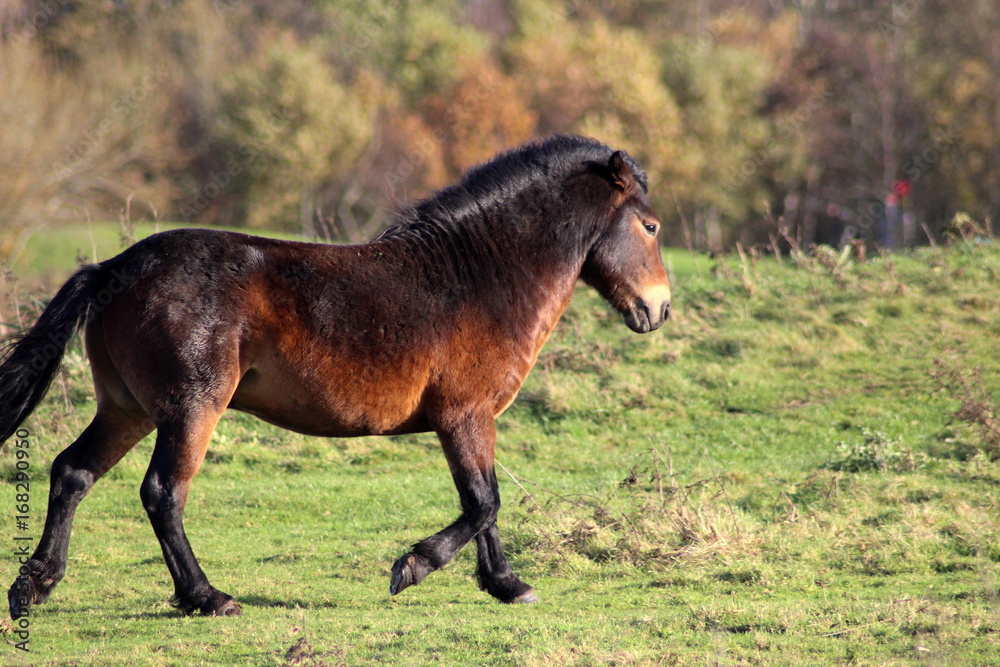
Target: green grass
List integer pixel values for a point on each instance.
(48, 257)
(778, 477)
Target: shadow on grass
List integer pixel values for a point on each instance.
(263, 601)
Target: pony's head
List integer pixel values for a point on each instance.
(624, 264)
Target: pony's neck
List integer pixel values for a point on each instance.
(519, 258)
(527, 256)
(528, 234)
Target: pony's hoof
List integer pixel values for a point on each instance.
(220, 604)
(229, 607)
(216, 603)
(408, 571)
(526, 598)
(508, 590)
(402, 575)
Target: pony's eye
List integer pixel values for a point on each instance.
(650, 229)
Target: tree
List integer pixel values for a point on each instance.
(598, 80)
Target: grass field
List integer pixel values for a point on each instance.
(801, 468)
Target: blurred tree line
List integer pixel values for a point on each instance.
(757, 120)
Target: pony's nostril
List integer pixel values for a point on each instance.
(665, 312)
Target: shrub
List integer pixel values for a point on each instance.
(877, 453)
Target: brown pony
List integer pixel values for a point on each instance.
(433, 326)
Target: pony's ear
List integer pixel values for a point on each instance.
(619, 173)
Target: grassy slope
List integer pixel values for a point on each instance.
(49, 257)
(773, 478)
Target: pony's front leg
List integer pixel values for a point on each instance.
(469, 447)
(495, 574)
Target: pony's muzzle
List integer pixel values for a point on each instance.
(645, 317)
(650, 310)
(664, 312)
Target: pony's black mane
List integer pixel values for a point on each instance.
(547, 161)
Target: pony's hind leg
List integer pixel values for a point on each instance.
(180, 449)
(110, 435)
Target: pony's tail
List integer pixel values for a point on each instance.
(29, 360)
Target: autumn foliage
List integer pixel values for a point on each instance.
(755, 120)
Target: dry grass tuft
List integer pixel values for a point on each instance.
(650, 518)
(976, 404)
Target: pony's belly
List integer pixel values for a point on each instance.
(332, 424)
(332, 427)
(344, 408)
